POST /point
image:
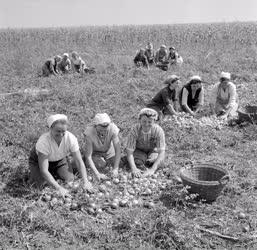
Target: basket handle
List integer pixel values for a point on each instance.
(224, 180)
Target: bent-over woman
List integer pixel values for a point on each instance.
(145, 144)
(166, 101)
(48, 159)
(50, 66)
(102, 145)
(224, 100)
(192, 96)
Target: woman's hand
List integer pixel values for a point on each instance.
(115, 172)
(63, 192)
(88, 187)
(136, 172)
(102, 177)
(148, 172)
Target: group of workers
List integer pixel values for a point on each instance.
(145, 144)
(173, 99)
(162, 58)
(64, 64)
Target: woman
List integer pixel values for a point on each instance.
(149, 53)
(161, 58)
(224, 100)
(146, 144)
(140, 59)
(102, 145)
(166, 101)
(48, 159)
(64, 65)
(192, 96)
(174, 57)
(78, 64)
(50, 66)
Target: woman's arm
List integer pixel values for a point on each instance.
(43, 167)
(135, 171)
(117, 148)
(81, 168)
(158, 161)
(184, 101)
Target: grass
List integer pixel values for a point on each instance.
(26, 222)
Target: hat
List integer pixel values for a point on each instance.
(171, 79)
(173, 48)
(149, 46)
(58, 58)
(196, 78)
(225, 75)
(65, 54)
(74, 53)
(101, 119)
(163, 46)
(57, 117)
(149, 113)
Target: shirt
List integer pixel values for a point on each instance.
(106, 144)
(51, 65)
(48, 146)
(79, 61)
(185, 94)
(161, 55)
(165, 97)
(141, 58)
(64, 64)
(147, 142)
(228, 95)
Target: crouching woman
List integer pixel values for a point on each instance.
(103, 147)
(224, 99)
(145, 144)
(48, 159)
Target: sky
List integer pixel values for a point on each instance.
(66, 13)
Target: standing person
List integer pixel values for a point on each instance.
(77, 63)
(145, 144)
(161, 58)
(166, 101)
(102, 145)
(174, 57)
(48, 159)
(224, 100)
(192, 96)
(50, 66)
(64, 65)
(140, 59)
(149, 53)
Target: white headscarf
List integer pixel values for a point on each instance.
(101, 118)
(53, 118)
(225, 75)
(148, 112)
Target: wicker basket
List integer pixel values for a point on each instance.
(248, 114)
(205, 180)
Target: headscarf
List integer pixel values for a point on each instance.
(225, 75)
(57, 117)
(171, 79)
(101, 118)
(149, 113)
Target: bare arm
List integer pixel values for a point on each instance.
(43, 167)
(158, 161)
(117, 148)
(132, 164)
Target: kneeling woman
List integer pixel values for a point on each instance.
(224, 102)
(166, 101)
(192, 96)
(102, 145)
(146, 144)
(48, 159)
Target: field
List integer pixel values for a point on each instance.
(175, 221)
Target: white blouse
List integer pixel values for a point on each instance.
(48, 146)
